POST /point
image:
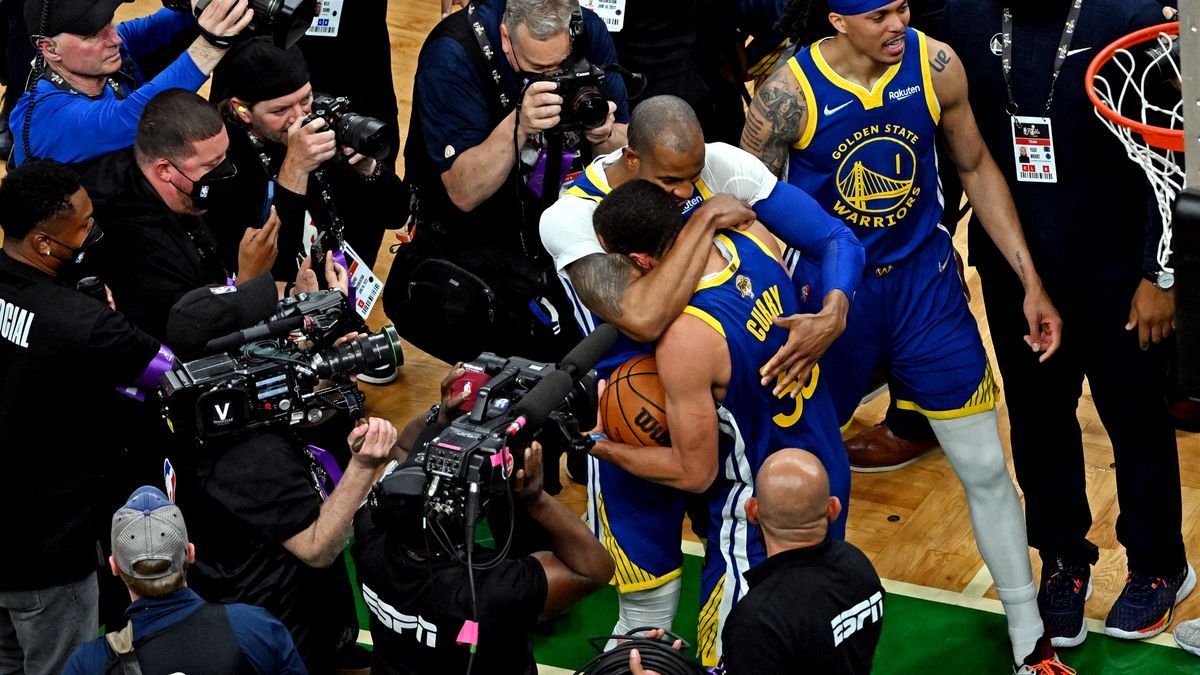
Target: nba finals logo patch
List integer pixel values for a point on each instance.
(743, 285)
(877, 175)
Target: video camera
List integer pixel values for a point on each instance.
(360, 133)
(474, 457)
(271, 373)
(285, 21)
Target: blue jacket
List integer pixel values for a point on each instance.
(263, 639)
(71, 127)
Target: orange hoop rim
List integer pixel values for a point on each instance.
(1159, 137)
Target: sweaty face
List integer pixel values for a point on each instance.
(272, 118)
(672, 170)
(89, 55)
(880, 34)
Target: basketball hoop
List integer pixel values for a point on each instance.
(1151, 146)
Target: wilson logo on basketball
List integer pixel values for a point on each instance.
(648, 423)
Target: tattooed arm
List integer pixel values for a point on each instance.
(642, 304)
(777, 114)
(989, 194)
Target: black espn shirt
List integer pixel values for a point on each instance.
(813, 610)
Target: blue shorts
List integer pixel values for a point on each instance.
(911, 318)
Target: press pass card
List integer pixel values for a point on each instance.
(1033, 149)
(612, 11)
(326, 23)
(367, 287)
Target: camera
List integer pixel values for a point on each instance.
(285, 21)
(276, 379)
(584, 94)
(360, 133)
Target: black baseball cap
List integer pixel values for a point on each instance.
(207, 313)
(78, 17)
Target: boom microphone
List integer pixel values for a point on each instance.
(593, 348)
(544, 398)
(271, 329)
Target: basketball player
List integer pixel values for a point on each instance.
(852, 119)
(715, 351)
(641, 522)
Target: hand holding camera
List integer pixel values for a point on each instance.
(601, 133)
(223, 18)
(528, 485)
(540, 108)
(258, 249)
(374, 440)
(335, 277)
(310, 143)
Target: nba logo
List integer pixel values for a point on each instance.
(204, 192)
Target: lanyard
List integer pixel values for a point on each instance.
(1064, 44)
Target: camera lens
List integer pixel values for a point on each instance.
(590, 106)
(360, 355)
(362, 134)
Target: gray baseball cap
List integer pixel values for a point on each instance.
(149, 527)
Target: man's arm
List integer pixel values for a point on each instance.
(690, 357)
(643, 304)
(320, 544)
(777, 115)
(989, 194)
(145, 35)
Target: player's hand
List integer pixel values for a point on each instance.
(809, 335)
(602, 133)
(601, 385)
(1152, 313)
(449, 5)
(540, 108)
(258, 248)
(374, 441)
(365, 166)
(112, 304)
(1045, 325)
(723, 211)
(225, 18)
(528, 481)
(451, 400)
(309, 145)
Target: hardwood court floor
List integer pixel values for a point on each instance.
(912, 523)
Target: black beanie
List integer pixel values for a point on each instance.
(257, 70)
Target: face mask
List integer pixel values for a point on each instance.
(77, 256)
(207, 189)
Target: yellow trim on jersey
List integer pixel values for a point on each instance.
(870, 99)
(705, 193)
(935, 108)
(982, 400)
(727, 273)
(627, 577)
(706, 318)
(810, 103)
(706, 630)
(600, 182)
(576, 191)
(765, 249)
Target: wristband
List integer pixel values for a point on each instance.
(218, 41)
(597, 437)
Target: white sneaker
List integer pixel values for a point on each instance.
(1187, 636)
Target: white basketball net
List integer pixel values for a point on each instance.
(1166, 175)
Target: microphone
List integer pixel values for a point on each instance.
(270, 329)
(591, 349)
(542, 400)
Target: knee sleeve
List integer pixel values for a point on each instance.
(653, 607)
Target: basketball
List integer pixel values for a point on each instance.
(634, 406)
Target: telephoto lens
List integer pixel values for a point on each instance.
(360, 355)
(285, 20)
(362, 134)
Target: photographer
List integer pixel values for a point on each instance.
(420, 595)
(62, 356)
(87, 90)
(155, 199)
(496, 105)
(315, 171)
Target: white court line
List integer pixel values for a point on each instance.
(980, 584)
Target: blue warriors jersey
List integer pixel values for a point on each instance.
(741, 303)
(868, 157)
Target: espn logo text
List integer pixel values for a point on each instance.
(852, 620)
(424, 632)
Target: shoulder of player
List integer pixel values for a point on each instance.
(946, 70)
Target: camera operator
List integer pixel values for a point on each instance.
(62, 356)
(495, 84)
(87, 90)
(420, 595)
(155, 200)
(312, 164)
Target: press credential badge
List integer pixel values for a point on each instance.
(1033, 150)
(612, 11)
(326, 23)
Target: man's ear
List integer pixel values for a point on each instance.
(49, 49)
(505, 39)
(191, 555)
(833, 509)
(161, 169)
(112, 565)
(631, 158)
(241, 109)
(752, 510)
(643, 260)
(838, 21)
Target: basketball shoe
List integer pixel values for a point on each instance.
(1187, 636)
(1043, 661)
(1064, 591)
(1145, 606)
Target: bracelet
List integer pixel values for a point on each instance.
(597, 437)
(375, 174)
(217, 41)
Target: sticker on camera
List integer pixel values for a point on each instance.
(611, 11)
(327, 20)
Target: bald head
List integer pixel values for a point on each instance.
(792, 489)
(667, 122)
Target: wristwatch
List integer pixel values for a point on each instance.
(1161, 278)
(432, 415)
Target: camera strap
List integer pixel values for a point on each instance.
(489, 56)
(329, 467)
